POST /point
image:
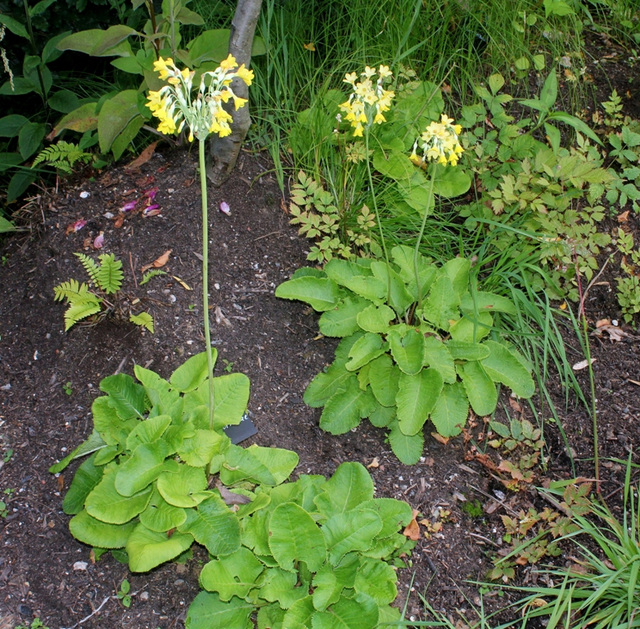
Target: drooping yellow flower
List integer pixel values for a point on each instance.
(367, 102)
(439, 142)
(202, 112)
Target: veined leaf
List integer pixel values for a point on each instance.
(408, 448)
(100, 534)
(106, 504)
(407, 349)
(471, 328)
(342, 320)
(232, 576)
(416, 399)
(364, 350)
(481, 391)
(148, 549)
(193, 372)
(375, 318)
(142, 468)
(326, 384)
(343, 410)
(126, 396)
(383, 379)
(207, 611)
(86, 478)
(441, 307)
(450, 412)
(503, 366)
(321, 293)
(437, 356)
(479, 301)
(349, 531)
(184, 488)
(350, 486)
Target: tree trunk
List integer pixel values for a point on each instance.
(224, 151)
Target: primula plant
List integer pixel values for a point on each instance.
(176, 107)
(419, 344)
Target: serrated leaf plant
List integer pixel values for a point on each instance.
(418, 345)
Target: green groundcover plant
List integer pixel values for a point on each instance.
(418, 344)
(157, 478)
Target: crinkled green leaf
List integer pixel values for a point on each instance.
(99, 534)
(408, 448)
(105, 503)
(208, 611)
(349, 486)
(503, 366)
(416, 399)
(193, 372)
(142, 468)
(481, 391)
(85, 479)
(383, 379)
(184, 488)
(450, 412)
(321, 293)
(341, 321)
(148, 549)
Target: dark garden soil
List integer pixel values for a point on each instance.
(49, 378)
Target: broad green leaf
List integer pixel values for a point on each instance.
(348, 613)
(471, 328)
(496, 82)
(407, 349)
(271, 615)
(193, 372)
(231, 393)
(142, 468)
(393, 164)
(208, 611)
(457, 269)
(326, 588)
(450, 412)
(343, 410)
(15, 26)
(158, 389)
(294, 536)
(400, 297)
(107, 422)
(321, 293)
(184, 488)
(350, 531)
(6, 226)
(119, 145)
(299, 615)
(10, 125)
(364, 350)
(99, 534)
(419, 107)
(576, 123)
(92, 444)
(107, 505)
(342, 271)
(125, 396)
(375, 318)
(395, 514)
(341, 321)
(503, 366)
(481, 391)
(368, 287)
(382, 416)
(85, 479)
(148, 431)
(479, 301)
(349, 486)
(63, 101)
(214, 526)
(326, 384)
(148, 549)
(115, 115)
(82, 119)
(377, 579)
(98, 43)
(450, 181)
(383, 379)
(198, 450)
(404, 257)
(282, 586)
(407, 448)
(549, 91)
(268, 466)
(438, 357)
(441, 307)
(211, 45)
(160, 516)
(462, 350)
(416, 399)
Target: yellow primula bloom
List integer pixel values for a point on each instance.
(368, 100)
(439, 143)
(176, 106)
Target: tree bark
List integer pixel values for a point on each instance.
(224, 151)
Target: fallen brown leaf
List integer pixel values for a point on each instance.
(613, 332)
(182, 282)
(158, 262)
(143, 158)
(583, 364)
(375, 463)
(443, 440)
(412, 531)
(624, 217)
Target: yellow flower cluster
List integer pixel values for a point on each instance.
(439, 142)
(369, 100)
(203, 113)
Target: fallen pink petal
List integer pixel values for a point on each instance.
(224, 208)
(150, 193)
(99, 241)
(127, 207)
(152, 210)
(78, 225)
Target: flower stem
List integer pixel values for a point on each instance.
(375, 208)
(205, 275)
(416, 252)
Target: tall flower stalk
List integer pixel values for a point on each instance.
(202, 112)
(366, 105)
(439, 143)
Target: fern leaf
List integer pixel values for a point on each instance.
(62, 156)
(149, 274)
(81, 310)
(66, 290)
(109, 276)
(90, 267)
(144, 319)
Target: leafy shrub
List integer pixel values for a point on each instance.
(310, 549)
(415, 346)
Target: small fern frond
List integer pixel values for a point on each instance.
(149, 274)
(81, 310)
(109, 276)
(62, 156)
(90, 267)
(144, 319)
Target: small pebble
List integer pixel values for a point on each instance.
(85, 195)
(80, 565)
